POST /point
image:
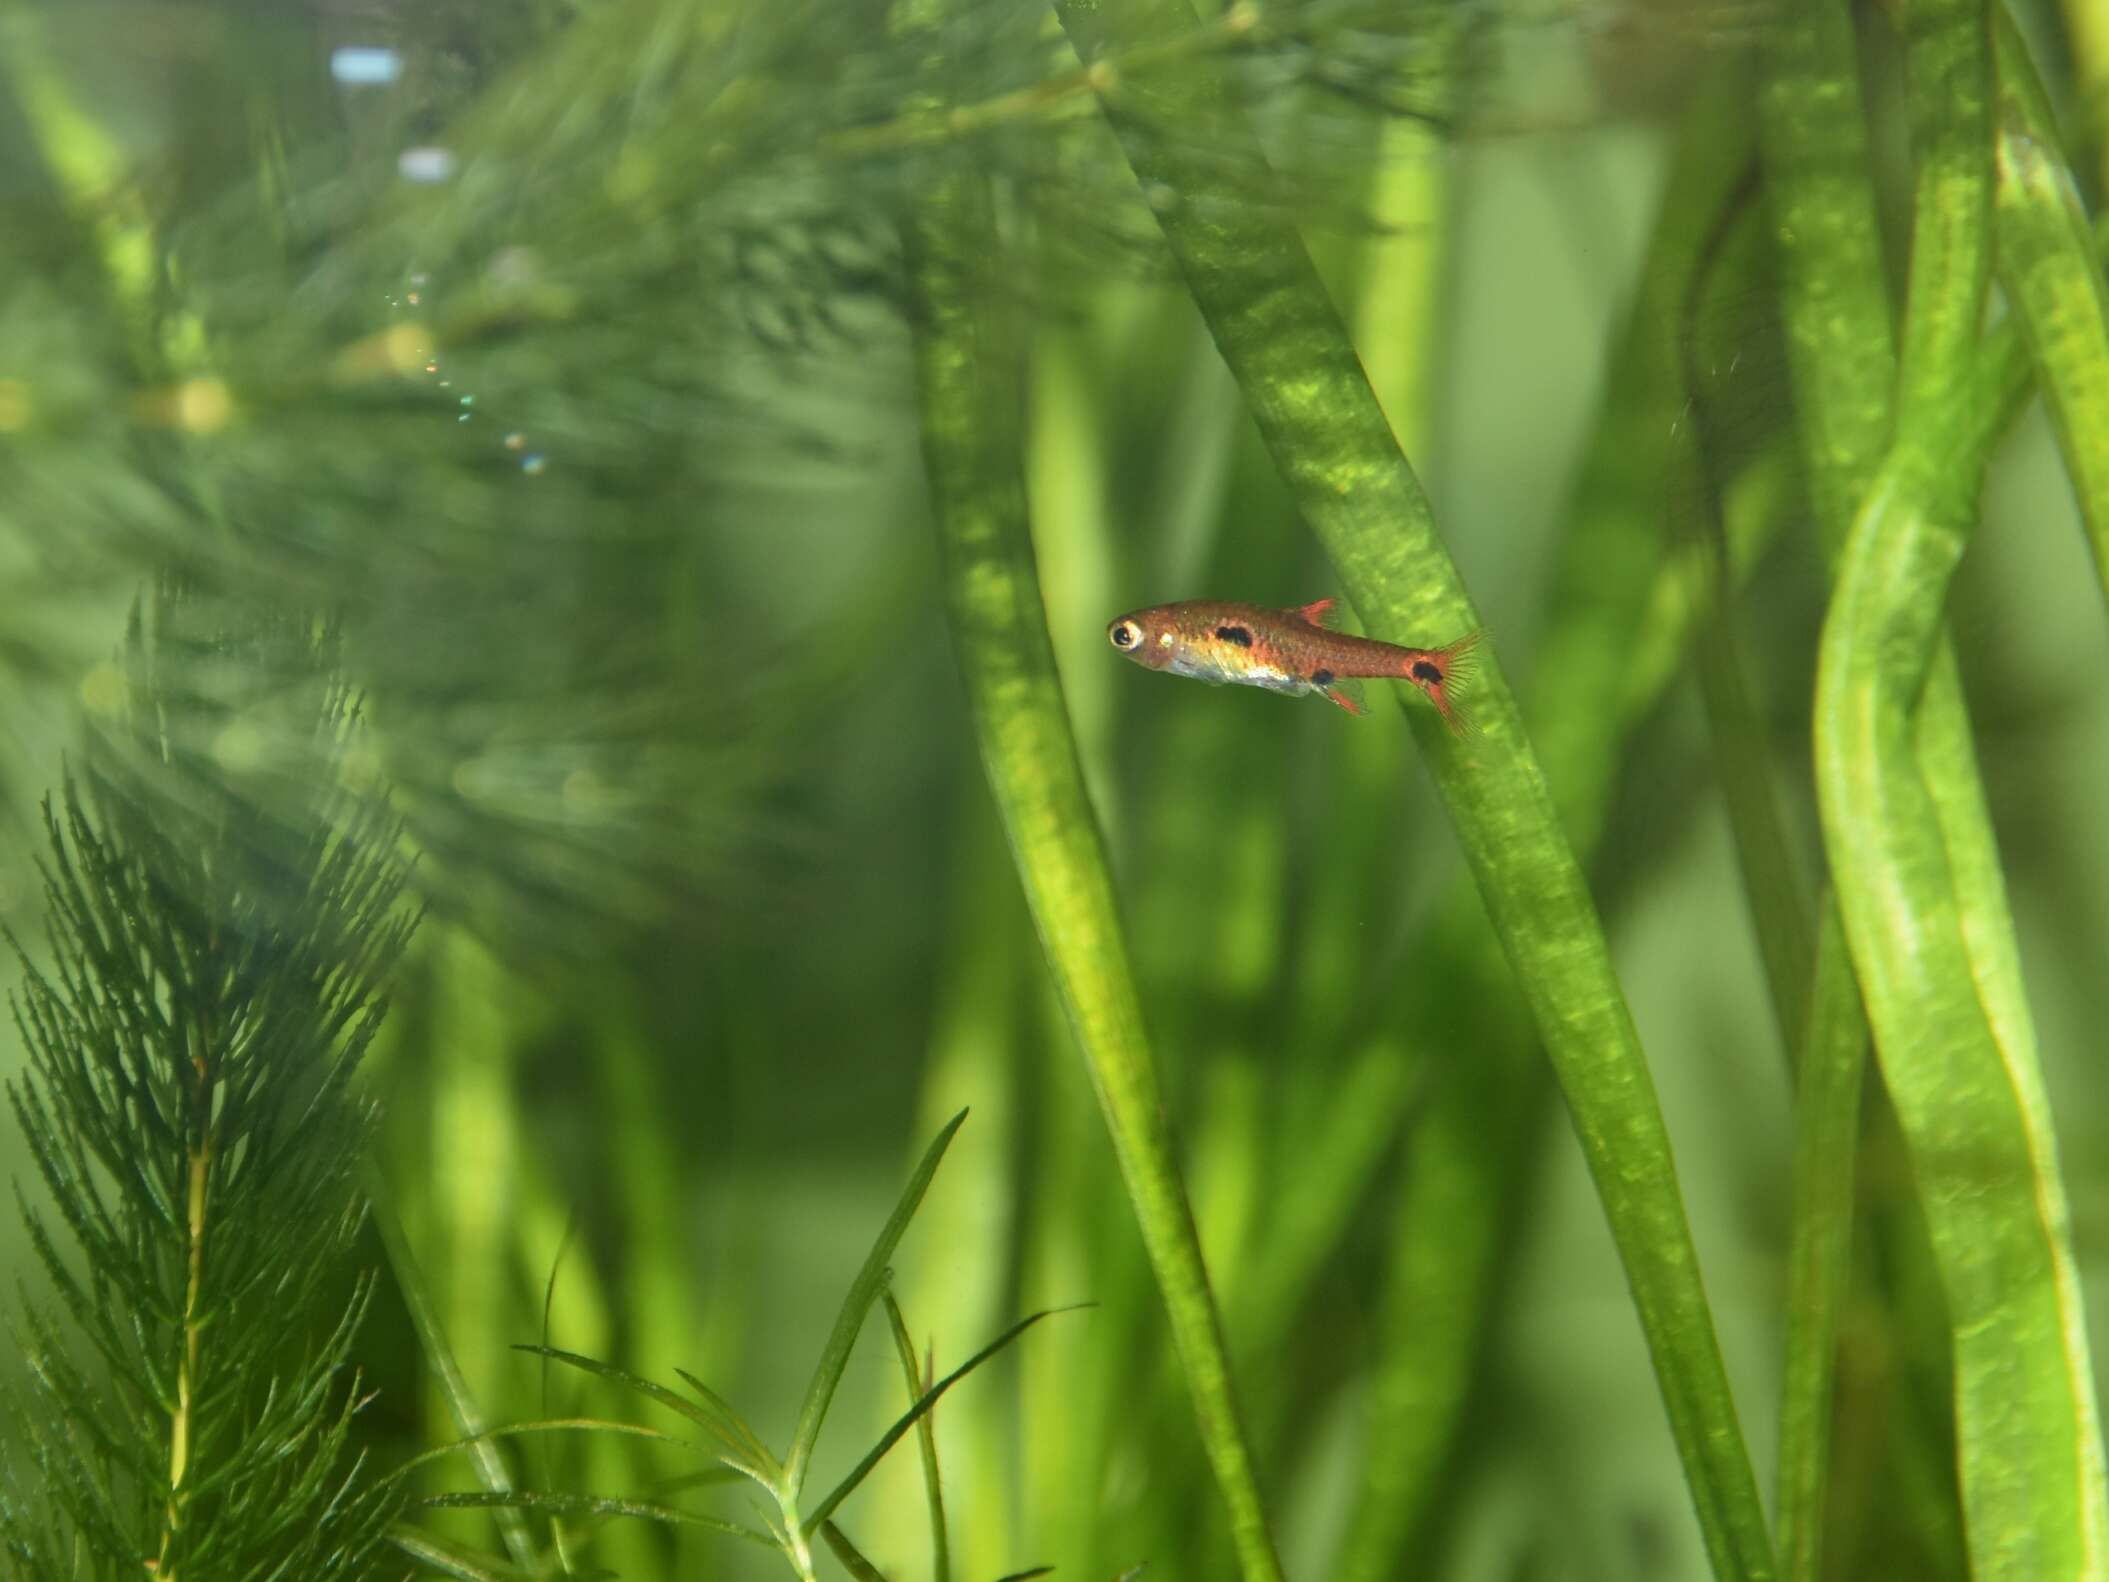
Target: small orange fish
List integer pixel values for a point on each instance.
(1286, 651)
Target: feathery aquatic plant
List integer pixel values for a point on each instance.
(214, 973)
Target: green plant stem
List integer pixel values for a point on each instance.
(968, 397)
(199, 1175)
(1917, 881)
(1277, 330)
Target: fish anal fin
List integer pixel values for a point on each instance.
(1347, 695)
(1317, 613)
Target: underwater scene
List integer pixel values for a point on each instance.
(1135, 790)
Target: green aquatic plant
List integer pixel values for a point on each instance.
(741, 1456)
(600, 455)
(1271, 320)
(215, 972)
(993, 598)
(1919, 882)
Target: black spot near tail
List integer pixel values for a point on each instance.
(1321, 678)
(1436, 670)
(1235, 634)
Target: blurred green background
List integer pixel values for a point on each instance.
(723, 926)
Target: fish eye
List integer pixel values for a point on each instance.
(1125, 634)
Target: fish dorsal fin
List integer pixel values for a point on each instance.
(1319, 612)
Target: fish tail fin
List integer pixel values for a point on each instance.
(1436, 671)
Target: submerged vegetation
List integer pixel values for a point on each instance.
(556, 728)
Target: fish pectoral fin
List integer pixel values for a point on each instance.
(1348, 695)
(1319, 612)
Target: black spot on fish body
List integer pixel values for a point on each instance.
(1426, 670)
(1235, 634)
(1321, 678)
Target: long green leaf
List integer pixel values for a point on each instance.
(1956, 1049)
(1277, 330)
(743, 1440)
(1772, 877)
(703, 1416)
(2051, 274)
(863, 1291)
(1000, 632)
(988, 946)
(1466, 1159)
(916, 1414)
(558, 1503)
(1836, 308)
(1821, 192)
(1609, 608)
(553, 1425)
(491, 1470)
(1817, 1004)
(452, 1559)
(852, 1558)
(1830, 1070)
(926, 1436)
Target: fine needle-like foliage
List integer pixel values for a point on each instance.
(213, 975)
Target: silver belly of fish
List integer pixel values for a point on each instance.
(1203, 667)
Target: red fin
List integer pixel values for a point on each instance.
(1343, 700)
(1451, 666)
(1317, 612)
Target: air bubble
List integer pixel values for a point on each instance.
(359, 66)
(427, 165)
(534, 465)
(515, 440)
